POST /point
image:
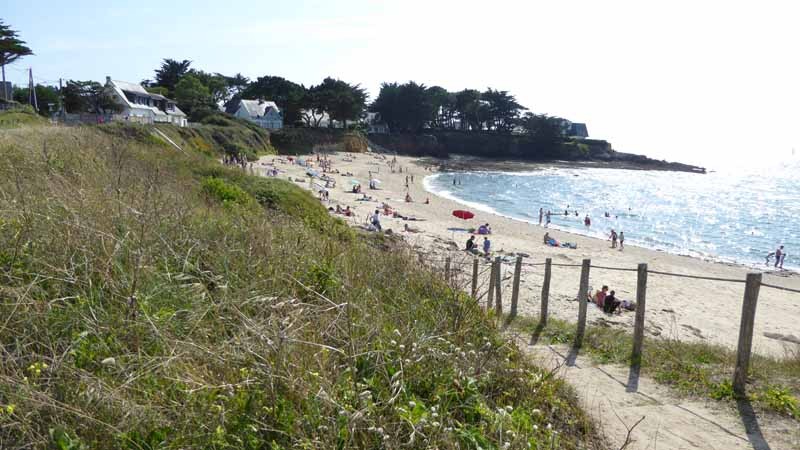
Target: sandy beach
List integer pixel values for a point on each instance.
(677, 308)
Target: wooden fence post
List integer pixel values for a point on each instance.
(490, 294)
(638, 326)
(545, 291)
(447, 270)
(498, 298)
(474, 277)
(582, 290)
(515, 287)
(752, 286)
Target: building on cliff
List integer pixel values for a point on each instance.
(263, 113)
(574, 129)
(138, 105)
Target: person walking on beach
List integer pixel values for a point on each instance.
(779, 256)
(613, 237)
(376, 220)
(621, 241)
(541, 215)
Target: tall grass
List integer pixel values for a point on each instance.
(148, 300)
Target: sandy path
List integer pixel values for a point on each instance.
(676, 307)
(616, 401)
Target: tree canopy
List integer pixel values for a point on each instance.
(170, 73)
(47, 97)
(193, 97)
(12, 48)
(91, 96)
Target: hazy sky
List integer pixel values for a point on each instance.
(696, 81)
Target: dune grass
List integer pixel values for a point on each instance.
(691, 368)
(151, 299)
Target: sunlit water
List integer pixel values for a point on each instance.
(733, 215)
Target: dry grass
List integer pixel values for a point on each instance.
(143, 307)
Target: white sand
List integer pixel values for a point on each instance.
(677, 308)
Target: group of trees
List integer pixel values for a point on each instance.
(413, 107)
(341, 101)
(409, 107)
(198, 93)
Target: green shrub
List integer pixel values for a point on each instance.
(225, 192)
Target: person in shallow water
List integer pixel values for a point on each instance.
(621, 240)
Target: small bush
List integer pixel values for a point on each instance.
(780, 399)
(225, 192)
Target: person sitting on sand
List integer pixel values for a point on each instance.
(347, 212)
(600, 296)
(408, 198)
(427, 200)
(484, 229)
(338, 209)
(611, 303)
(546, 238)
(470, 243)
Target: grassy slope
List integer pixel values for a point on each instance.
(21, 117)
(219, 134)
(148, 300)
(692, 368)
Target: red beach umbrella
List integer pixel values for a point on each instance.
(461, 214)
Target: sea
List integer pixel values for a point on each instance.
(734, 215)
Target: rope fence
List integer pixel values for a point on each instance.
(490, 289)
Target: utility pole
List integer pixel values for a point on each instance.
(32, 91)
(63, 107)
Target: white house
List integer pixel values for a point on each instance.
(138, 105)
(261, 112)
(374, 124)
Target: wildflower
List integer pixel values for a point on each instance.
(509, 408)
(393, 342)
(436, 424)
(412, 404)
(10, 408)
(397, 332)
(506, 445)
(402, 347)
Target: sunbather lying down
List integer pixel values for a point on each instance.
(554, 243)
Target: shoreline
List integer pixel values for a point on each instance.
(677, 308)
(765, 269)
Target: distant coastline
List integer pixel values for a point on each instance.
(493, 151)
(465, 163)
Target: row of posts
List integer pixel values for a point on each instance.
(495, 299)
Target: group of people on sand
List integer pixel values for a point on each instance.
(617, 238)
(472, 246)
(609, 302)
(780, 257)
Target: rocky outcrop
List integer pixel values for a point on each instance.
(441, 144)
